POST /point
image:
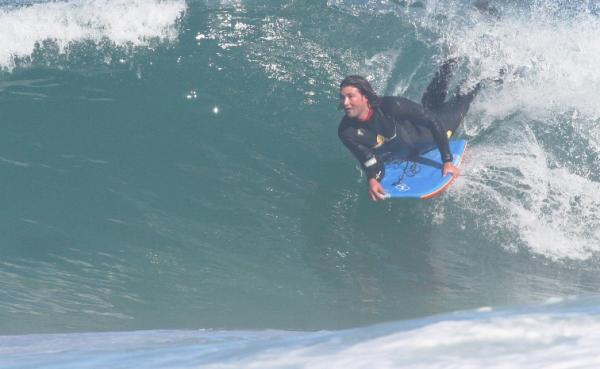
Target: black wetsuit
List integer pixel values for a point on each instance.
(401, 124)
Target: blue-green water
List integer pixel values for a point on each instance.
(175, 165)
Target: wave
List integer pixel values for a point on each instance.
(28, 28)
(211, 191)
(538, 134)
(560, 332)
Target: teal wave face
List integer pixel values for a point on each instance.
(186, 173)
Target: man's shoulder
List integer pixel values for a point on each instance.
(389, 99)
(389, 104)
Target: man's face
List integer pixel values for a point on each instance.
(355, 104)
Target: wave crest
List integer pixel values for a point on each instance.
(120, 22)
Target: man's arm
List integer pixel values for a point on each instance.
(366, 157)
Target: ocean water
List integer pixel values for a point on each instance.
(175, 194)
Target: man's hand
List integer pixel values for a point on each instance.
(449, 168)
(376, 191)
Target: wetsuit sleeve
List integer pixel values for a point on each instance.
(366, 157)
(406, 109)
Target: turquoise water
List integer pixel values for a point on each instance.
(172, 165)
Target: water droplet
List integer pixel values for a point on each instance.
(192, 95)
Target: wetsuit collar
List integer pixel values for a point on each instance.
(369, 116)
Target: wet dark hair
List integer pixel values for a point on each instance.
(363, 86)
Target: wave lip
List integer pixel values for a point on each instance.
(558, 333)
(121, 22)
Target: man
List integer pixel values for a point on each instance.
(373, 124)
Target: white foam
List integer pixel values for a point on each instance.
(548, 203)
(520, 199)
(550, 62)
(122, 22)
(556, 335)
(525, 341)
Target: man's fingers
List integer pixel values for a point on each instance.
(454, 172)
(376, 191)
(449, 169)
(377, 195)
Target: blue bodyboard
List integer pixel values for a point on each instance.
(420, 176)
